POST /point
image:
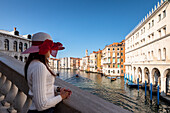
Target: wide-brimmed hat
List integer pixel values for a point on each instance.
(42, 43)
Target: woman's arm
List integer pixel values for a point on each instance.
(39, 89)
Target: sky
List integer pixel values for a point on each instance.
(77, 24)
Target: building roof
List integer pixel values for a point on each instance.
(11, 33)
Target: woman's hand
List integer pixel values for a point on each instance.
(64, 94)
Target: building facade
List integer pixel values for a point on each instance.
(53, 63)
(99, 57)
(113, 59)
(147, 49)
(93, 62)
(13, 44)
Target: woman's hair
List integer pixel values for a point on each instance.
(36, 56)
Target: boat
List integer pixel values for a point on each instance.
(118, 77)
(133, 85)
(109, 77)
(76, 75)
(113, 78)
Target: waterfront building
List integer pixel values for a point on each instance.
(78, 63)
(65, 63)
(147, 49)
(93, 61)
(99, 66)
(53, 63)
(113, 59)
(72, 63)
(84, 62)
(13, 44)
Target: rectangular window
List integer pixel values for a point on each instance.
(164, 13)
(113, 60)
(144, 30)
(113, 65)
(159, 17)
(164, 31)
(152, 22)
(118, 60)
(121, 60)
(108, 49)
(108, 71)
(109, 60)
(113, 71)
(118, 65)
(149, 25)
(121, 54)
(121, 48)
(117, 54)
(121, 66)
(152, 35)
(117, 48)
(121, 71)
(113, 48)
(113, 54)
(159, 32)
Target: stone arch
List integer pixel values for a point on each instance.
(167, 84)
(25, 46)
(156, 77)
(139, 72)
(6, 44)
(20, 47)
(15, 46)
(147, 75)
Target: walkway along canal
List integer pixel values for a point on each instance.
(115, 92)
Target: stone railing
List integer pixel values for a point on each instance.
(15, 89)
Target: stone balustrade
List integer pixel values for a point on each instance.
(14, 88)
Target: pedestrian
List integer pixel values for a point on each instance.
(39, 77)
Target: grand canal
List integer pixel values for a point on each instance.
(115, 92)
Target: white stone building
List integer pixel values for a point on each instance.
(65, 63)
(84, 63)
(53, 63)
(147, 48)
(12, 44)
(93, 61)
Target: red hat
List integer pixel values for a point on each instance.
(42, 43)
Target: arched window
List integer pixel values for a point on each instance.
(20, 47)
(164, 54)
(6, 45)
(159, 54)
(21, 58)
(15, 46)
(25, 46)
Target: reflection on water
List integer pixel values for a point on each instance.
(115, 92)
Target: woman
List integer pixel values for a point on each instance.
(39, 77)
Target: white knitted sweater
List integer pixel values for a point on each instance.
(41, 87)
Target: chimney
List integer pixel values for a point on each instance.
(15, 28)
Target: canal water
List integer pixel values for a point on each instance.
(115, 92)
